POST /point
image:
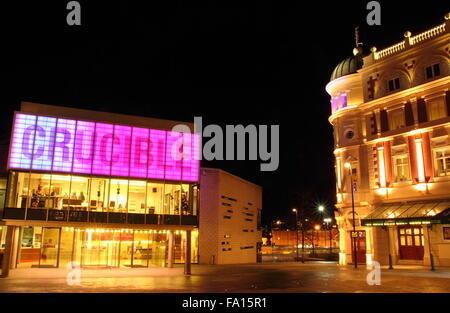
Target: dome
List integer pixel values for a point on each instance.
(348, 66)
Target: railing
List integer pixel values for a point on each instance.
(390, 50)
(98, 217)
(431, 33)
(427, 34)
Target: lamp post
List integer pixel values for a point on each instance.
(296, 233)
(321, 209)
(327, 221)
(349, 166)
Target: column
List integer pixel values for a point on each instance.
(170, 253)
(8, 251)
(187, 254)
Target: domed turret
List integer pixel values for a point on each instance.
(349, 66)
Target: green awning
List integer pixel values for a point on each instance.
(409, 213)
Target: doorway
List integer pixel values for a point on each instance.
(360, 238)
(411, 242)
(51, 237)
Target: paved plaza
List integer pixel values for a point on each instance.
(263, 277)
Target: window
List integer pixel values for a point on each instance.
(343, 100)
(97, 194)
(401, 168)
(396, 119)
(433, 71)
(442, 162)
(394, 84)
(436, 109)
(349, 134)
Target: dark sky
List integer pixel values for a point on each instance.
(231, 62)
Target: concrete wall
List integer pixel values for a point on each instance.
(229, 205)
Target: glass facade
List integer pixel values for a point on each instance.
(57, 246)
(42, 191)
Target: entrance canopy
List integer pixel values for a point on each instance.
(409, 213)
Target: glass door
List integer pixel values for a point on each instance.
(51, 237)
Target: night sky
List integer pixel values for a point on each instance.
(231, 62)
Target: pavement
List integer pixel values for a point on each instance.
(285, 277)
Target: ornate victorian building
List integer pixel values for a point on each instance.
(390, 111)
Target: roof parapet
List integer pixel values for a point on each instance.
(410, 41)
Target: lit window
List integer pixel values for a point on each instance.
(343, 100)
(394, 84)
(396, 119)
(436, 109)
(443, 162)
(433, 71)
(401, 168)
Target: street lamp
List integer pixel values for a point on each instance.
(321, 209)
(296, 231)
(316, 228)
(349, 166)
(328, 220)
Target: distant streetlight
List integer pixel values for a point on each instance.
(316, 228)
(296, 232)
(349, 166)
(321, 208)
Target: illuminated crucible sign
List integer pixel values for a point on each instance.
(64, 145)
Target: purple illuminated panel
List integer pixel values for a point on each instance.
(44, 141)
(21, 151)
(71, 146)
(63, 155)
(335, 104)
(343, 100)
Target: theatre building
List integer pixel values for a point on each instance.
(390, 110)
(101, 189)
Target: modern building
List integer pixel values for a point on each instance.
(101, 189)
(390, 111)
(230, 222)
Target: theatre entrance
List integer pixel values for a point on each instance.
(360, 238)
(411, 242)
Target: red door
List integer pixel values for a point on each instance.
(360, 246)
(411, 242)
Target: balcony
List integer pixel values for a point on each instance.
(69, 215)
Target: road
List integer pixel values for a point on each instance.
(259, 278)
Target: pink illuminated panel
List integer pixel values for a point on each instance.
(139, 152)
(84, 147)
(191, 142)
(65, 145)
(156, 155)
(121, 151)
(102, 149)
(174, 154)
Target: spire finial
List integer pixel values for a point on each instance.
(357, 42)
(357, 50)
